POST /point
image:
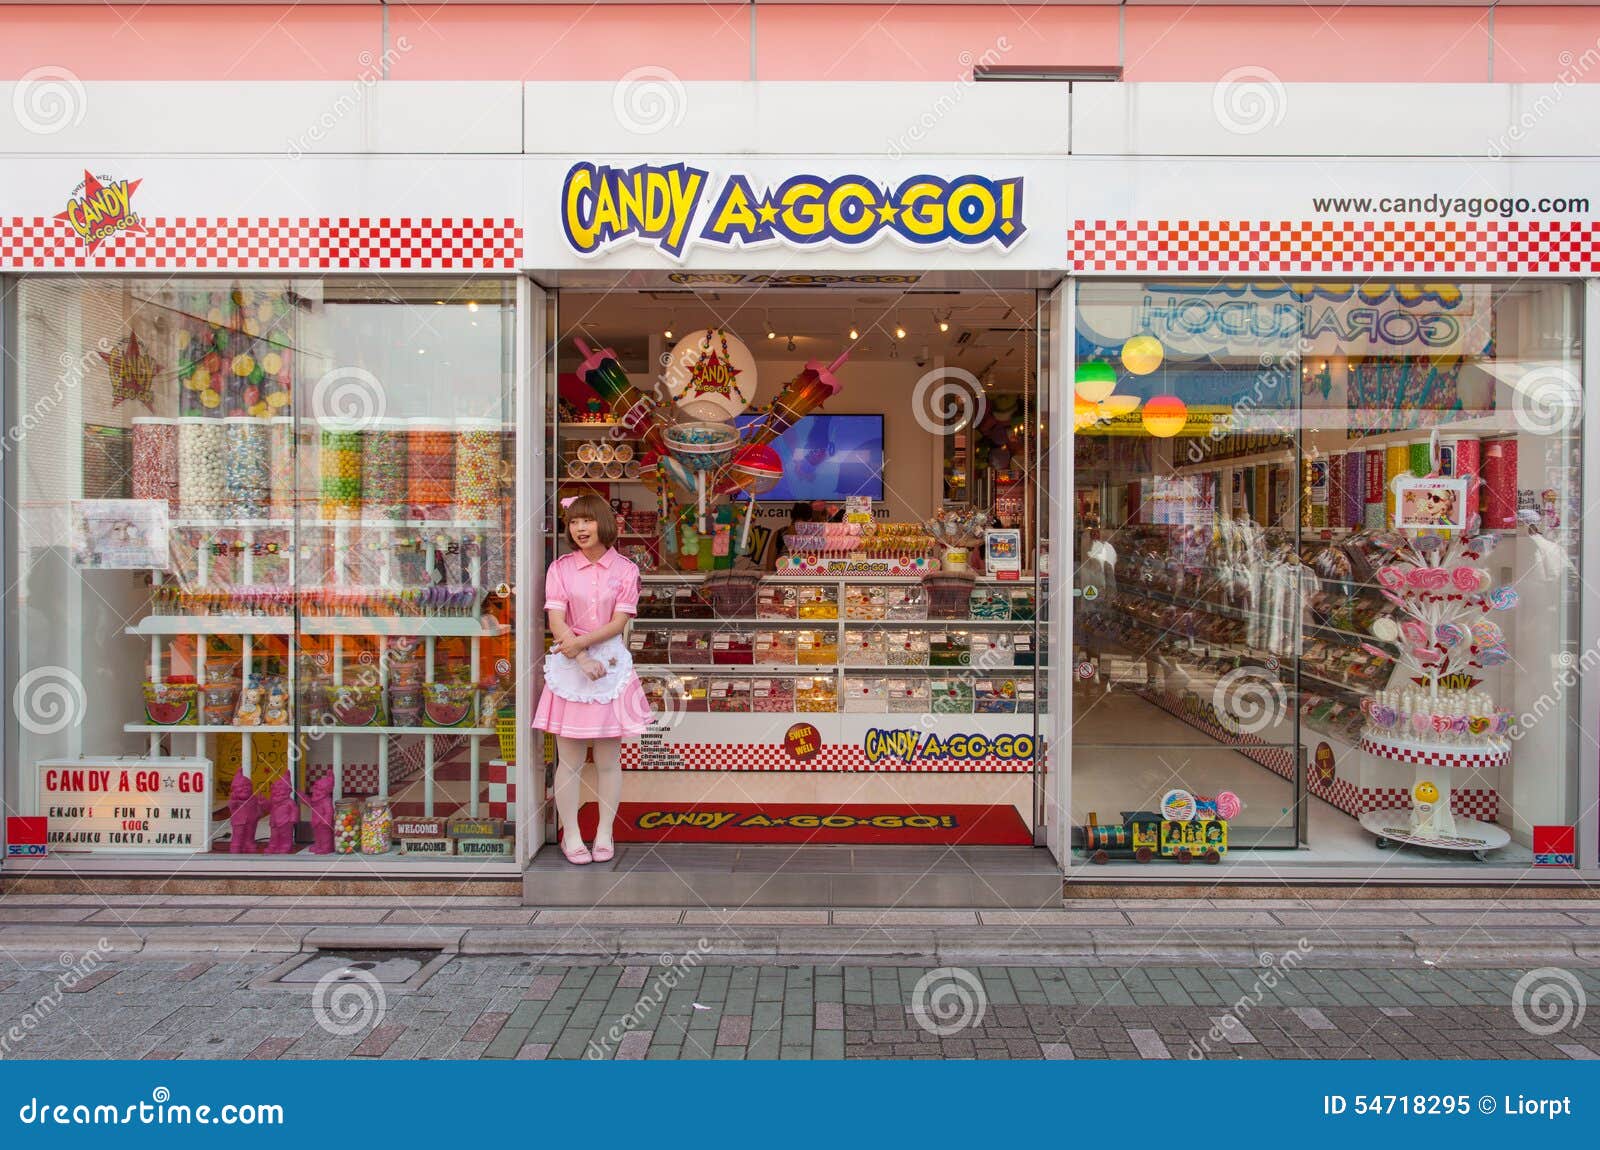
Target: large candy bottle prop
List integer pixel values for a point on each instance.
(632, 409)
(805, 392)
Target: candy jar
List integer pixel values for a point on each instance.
(346, 827)
(377, 826)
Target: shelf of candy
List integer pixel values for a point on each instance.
(865, 649)
(865, 602)
(951, 696)
(1466, 722)
(650, 646)
(778, 648)
(992, 649)
(906, 649)
(695, 692)
(1022, 650)
(865, 695)
(1336, 663)
(688, 648)
(777, 602)
(910, 696)
(906, 604)
(1331, 715)
(655, 601)
(689, 601)
(729, 695)
(816, 694)
(733, 648)
(816, 648)
(772, 696)
(994, 696)
(258, 601)
(233, 352)
(989, 603)
(949, 649)
(441, 601)
(817, 602)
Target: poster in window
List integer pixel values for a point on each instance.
(120, 534)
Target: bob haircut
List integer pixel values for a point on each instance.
(591, 506)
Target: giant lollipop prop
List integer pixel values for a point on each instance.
(633, 410)
(756, 469)
(813, 386)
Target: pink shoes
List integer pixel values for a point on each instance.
(604, 853)
(578, 855)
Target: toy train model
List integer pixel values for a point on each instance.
(1145, 835)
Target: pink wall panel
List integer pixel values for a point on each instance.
(570, 41)
(1534, 45)
(1418, 45)
(925, 42)
(193, 42)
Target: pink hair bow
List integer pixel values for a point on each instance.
(567, 502)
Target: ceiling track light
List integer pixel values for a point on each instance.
(791, 343)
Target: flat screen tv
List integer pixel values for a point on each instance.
(828, 457)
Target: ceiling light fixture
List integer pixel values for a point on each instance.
(791, 343)
(854, 334)
(899, 330)
(944, 324)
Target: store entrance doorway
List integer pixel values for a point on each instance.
(833, 495)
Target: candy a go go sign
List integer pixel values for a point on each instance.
(147, 806)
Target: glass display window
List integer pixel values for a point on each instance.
(297, 573)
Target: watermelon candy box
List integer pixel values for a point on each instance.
(171, 704)
(448, 704)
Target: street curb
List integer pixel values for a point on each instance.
(793, 945)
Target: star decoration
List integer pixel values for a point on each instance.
(133, 373)
(712, 375)
(767, 211)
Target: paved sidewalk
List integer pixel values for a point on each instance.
(1334, 930)
(684, 1007)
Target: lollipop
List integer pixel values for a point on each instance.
(634, 410)
(814, 385)
(1391, 577)
(1228, 805)
(1494, 656)
(1487, 634)
(702, 448)
(1450, 634)
(1503, 598)
(755, 469)
(1469, 579)
(1177, 806)
(1427, 579)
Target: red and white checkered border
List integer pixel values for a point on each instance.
(835, 758)
(1417, 756)
(497, 796)
(404, 243)
(1321, 247)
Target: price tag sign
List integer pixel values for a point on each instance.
(137, 805)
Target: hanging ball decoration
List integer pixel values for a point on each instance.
(1142, 354)
(1165, 416)
(1094, 381)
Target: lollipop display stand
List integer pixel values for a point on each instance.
(1444, 731)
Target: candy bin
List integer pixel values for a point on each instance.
(865, 695)
(430, 468)
(733, 647)
(649, 647)
(775, 647)
(910, 696)
(865, 649)
(907, 602)
(689, 648)
(730, 695)
(346, 827)
(907, 649)
(155, 459)
(477, 469)
(818, 602)
(202, 457)
(951, 696)
(339, 469)
(777, 602)
(377, 826)
(772, 695)
(816, 648)
(949, 649)
(247, 468)
(383, 471)
(689, 601)
(816, 695)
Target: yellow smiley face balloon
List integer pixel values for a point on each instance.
(1425, 792)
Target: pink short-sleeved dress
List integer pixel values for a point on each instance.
(589, 592)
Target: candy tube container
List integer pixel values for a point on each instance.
(477, 468)
(635, 411)
(339, 470)
(383, 471)
(155, 459)
(1372, 490)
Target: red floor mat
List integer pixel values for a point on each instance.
(877, 824)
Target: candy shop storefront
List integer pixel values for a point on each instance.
(1311, 503)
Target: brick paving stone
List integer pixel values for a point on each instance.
(376, 1043)
(1313, 1018)
(534, 1052)
(634, 1045)
(543, 986)
(486, 1027)
(269, 1049)
(188, 973)
(1148, 1043)
(85, 985)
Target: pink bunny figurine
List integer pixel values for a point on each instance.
(322, 815)
(244, 813)
(283, 813)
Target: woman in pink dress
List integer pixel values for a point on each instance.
(592, 698)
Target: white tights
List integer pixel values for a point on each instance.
(569, 784)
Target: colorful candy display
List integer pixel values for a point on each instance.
(384, 494)
(377, 826)
(346, 827)
(430, 469)
(155, 459)
(247, 468)
(477, 470)
(202, 462)
(339, 471)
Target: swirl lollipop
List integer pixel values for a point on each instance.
(1503, 598)
(1487, 634)
(1228, 805)
(1450, 634)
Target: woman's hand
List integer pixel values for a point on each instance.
(592, 667)
(572, 646)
